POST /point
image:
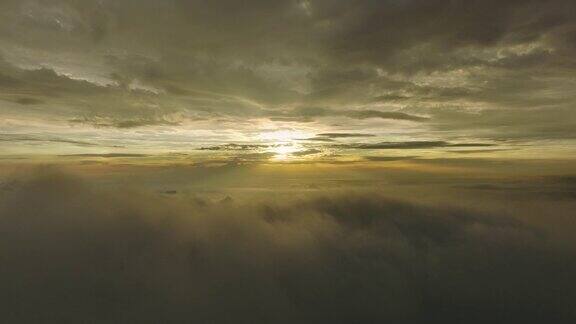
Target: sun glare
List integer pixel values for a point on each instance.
(283, 143)
(282, 136)
(283, 152)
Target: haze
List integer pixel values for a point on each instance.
(287, 161)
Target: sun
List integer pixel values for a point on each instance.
(283, 143)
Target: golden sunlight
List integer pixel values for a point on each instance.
(283, 142)
(283, 136)
(288, 161)
(283, 151)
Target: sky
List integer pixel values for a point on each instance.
(287, 81)
(410, 161)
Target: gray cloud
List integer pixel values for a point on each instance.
(251, 157)
(410, 145)
(28, 101)
(106, 155)
(306, 152)
(307, 114)
(317, 139)
(389, 158)
(39, 138)
(343, 135)
(235, 147)
(479, 151)
(126, 122)
(123, 64)
(542, 123)
(364, 114)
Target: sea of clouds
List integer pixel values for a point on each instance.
(73, 252)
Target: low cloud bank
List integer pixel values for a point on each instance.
(73, 253)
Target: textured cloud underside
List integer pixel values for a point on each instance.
(412, 69)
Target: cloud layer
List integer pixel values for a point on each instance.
(499, 71)
(72, 252)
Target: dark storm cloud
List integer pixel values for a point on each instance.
(73, 253)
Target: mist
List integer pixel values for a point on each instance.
(72, 251)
